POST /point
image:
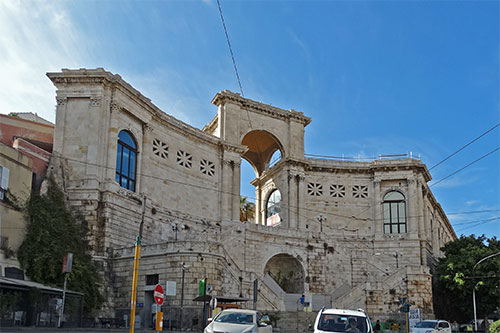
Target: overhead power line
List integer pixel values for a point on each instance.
(284, 205)
(468, 165)
(230, 48)
(468, 144)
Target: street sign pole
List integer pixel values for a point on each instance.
(159, 296)
(137, 256)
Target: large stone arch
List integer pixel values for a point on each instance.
(238, 116)
(288, 272)
(261, 147)
(254, 131)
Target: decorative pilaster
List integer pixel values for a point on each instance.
(378, 218)
(412, 203)
(299, 179)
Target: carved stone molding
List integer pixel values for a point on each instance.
(95, 101)
(114, 107)
(300, 177)
(231, 163)
(61, 101)
(147, 129)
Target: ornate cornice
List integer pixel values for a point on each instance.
(226, 95)
(212, 125)
(101, 77)
(95, 101)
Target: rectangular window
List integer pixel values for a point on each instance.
(152, 279)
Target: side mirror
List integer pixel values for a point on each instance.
(262, 324)
(209, 320)
(310, 328)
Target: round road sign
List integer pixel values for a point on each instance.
(159, 294)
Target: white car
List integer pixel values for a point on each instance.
(238, 321)
(432, 326)
(340, 320)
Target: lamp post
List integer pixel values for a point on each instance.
(320, 219)
(474, 288)
(182, 292)
(397, 255)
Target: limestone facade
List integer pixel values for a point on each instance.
(186, 189)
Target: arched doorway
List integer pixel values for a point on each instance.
(288, 273)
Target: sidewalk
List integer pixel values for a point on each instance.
(18, 329)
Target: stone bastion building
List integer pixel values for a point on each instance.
(346, 234)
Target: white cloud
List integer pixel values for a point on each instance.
(35, 37)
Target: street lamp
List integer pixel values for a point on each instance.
(184, 267)
(320, 219)
(474, 287)
(397, 255)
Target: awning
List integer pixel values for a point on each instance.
(8, 283)
(220, 299)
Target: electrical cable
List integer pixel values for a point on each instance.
(459, 150)
(230, 48)
(468, 165)
(283, 204)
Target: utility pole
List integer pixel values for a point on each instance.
(137, 256)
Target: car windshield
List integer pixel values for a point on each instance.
(342, 323)
(426, 324)
(235, 318)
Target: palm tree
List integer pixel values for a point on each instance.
(247, 209)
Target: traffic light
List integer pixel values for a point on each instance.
(405, 308)
(202, 287)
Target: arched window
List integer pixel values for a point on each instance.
(126, 156)
(394, 213)
(273, 208)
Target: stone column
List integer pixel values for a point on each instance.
(289, 199)
(421, 211)
(412, 203)
(60, 127)
(258, 204)
(300, 178)
(113, 129)
(235, 190)
(225, 188)
(146, 142)
(378, 216)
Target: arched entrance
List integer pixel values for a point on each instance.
(288, 273)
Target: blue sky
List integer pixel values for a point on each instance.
(376, 77)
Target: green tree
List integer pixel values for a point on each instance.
(247, 209)
(455, 277)
(52, 231)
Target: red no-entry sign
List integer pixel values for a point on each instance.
(159, 294)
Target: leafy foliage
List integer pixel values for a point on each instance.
(247, 209)
(456, 277)
(495, 327)
(52, 231)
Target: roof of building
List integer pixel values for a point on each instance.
(9, 283)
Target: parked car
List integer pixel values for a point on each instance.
(340, 320)
(432, 326)
(238, 321)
